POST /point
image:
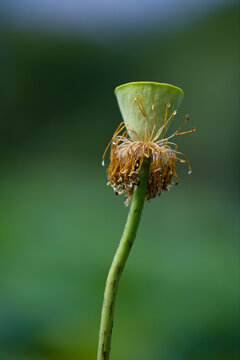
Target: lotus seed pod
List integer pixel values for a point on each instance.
(143, 106)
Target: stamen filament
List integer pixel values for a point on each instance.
(174, 113)
(140, 108)
(114, 135)
(183, 124)
(187, 132)
(155, 114)
(140, 100)
(165, 119)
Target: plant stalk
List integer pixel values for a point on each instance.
(119, 261)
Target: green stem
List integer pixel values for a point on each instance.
(119, 261)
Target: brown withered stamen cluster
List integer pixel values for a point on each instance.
(127, 155)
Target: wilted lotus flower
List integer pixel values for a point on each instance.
(147, 109)
(142, 165)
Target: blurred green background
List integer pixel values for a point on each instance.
(60, 224)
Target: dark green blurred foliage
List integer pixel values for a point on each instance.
(60, 224)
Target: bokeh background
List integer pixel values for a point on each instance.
(60, 224)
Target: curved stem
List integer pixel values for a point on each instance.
(119, 261)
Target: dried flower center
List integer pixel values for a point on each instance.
(127, 155)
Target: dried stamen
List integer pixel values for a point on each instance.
(127, 155)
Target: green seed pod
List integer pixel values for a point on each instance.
(143, 106)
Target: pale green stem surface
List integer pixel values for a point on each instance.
(119, 261)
